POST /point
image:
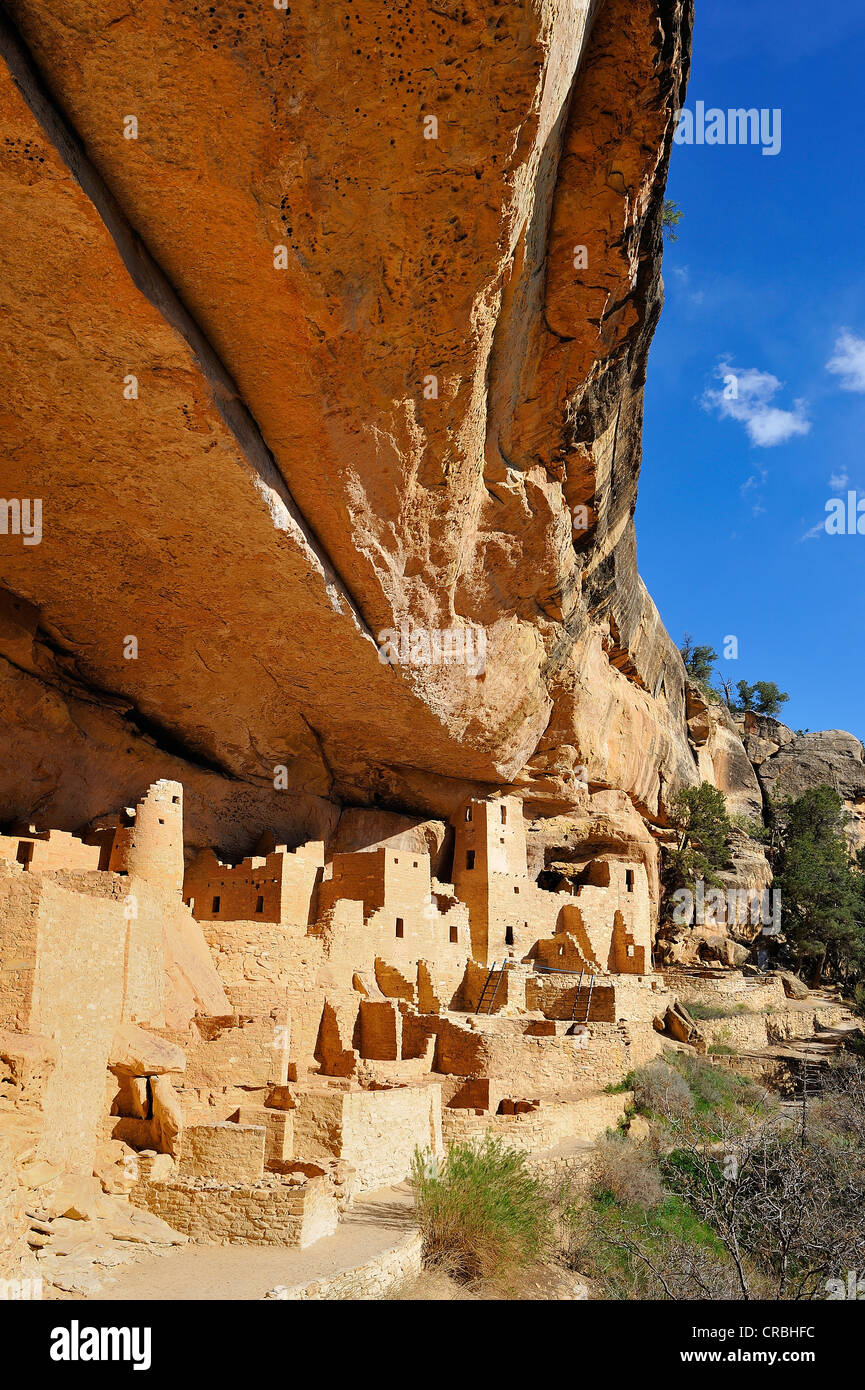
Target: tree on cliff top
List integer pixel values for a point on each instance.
(699, 817)
(763, 697)
(699, 661)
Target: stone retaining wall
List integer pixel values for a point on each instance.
(373, 1280)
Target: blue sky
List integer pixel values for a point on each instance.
(767, 275)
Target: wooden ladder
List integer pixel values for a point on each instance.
(487, 982)
(585, 1017)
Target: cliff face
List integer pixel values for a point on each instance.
(788, 764)
(284, 263)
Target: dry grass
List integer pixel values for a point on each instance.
(627, 1172)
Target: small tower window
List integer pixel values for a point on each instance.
(259, 904)
(400, 927)
(504, 815)
(215, 907)
(468, 813)
(470, 858)
(516, 889)
(509, 936)
(455, 935)
(629, 880)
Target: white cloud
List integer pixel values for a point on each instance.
(747, 396)
(849, 361)
(837, 481)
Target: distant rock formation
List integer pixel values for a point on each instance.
(789, 764)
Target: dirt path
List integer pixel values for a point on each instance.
(375, 1224)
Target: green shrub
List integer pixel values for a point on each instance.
(483, 1215)
(707, 1011)
(617, 1088)
(717, 1090)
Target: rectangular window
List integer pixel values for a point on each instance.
(400, 927)
(629, 880)
(516, 890)
(468, 813)
(470, 858)
(455, 936)
(504, 815)
(259, 904)
(215, 907)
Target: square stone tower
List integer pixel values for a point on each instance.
(489, 865)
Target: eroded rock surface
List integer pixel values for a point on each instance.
(791, 764)
(282, 489)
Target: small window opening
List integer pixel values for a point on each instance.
(215, 907)
(470, 858)
(629, 880)
(509, 936)
(455, 936)
(400, 927)
(259, 904)
(504, 815)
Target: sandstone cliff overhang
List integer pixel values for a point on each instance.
(220, 334)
